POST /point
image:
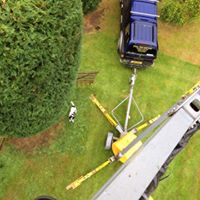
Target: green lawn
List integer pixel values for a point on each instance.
(80, 147)
(186, 47)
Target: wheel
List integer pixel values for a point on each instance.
(45, 198)
(120, 42)
(148, 63)
(109, 141)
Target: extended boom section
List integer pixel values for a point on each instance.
(140, 175)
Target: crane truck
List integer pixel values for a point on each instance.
(138, 41)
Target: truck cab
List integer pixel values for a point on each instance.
(138, 43)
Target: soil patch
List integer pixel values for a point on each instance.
(92, 21)
(31, 143)
(180, 41)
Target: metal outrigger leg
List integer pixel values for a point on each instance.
(130, 99)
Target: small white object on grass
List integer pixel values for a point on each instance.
(72, 112)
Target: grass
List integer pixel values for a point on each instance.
(79, 147)
(183, 181)
(186, 47)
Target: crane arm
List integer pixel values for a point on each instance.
(140, 175)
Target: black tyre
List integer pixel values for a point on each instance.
(148, 63)
(120, 43)
(44, 198)
(109, 141)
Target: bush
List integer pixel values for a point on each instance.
(39, 50)
(172, 12)
(179, 11)
(89, 5)
(192, 8)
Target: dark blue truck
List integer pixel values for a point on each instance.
(138, 42)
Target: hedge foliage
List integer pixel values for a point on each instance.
(39, 51)
(89, 5)
(180, 11)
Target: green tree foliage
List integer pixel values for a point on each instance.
(179, 11)
(89, 5)
(39, 51)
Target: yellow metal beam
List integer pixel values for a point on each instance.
(193, 89)
(145, 125)
(80, 180)
(103, 110)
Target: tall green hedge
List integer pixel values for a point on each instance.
(39, 57)
(179, 11)
(89, 5)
